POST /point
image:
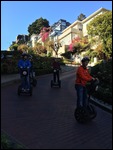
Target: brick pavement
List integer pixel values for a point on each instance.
(47, 122)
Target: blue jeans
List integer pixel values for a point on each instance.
(56, 76)
(81, 95)
(25, 82)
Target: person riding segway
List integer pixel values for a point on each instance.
(33, 80)
(24, 70)
(84, 111)
(56, 79)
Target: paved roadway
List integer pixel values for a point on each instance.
(45, 120)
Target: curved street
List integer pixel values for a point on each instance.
(46, 120)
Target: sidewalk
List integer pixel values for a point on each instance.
(9, 77)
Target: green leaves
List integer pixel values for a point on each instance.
(37, 26)
(102, 26)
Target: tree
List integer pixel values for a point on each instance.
(39, 49)
(23, 48)
(37, 26)
(22, 39)
(13, 46)
(81, 17)
(54, 46)
(101, 27)
(78, 45)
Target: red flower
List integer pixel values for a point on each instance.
(71, 47)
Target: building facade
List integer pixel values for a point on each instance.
(57, 29)
(78, 28)
(65, 32)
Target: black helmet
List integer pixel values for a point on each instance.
(24, 54)
(85, 59)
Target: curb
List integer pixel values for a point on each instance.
(10, 82)
(105, 106)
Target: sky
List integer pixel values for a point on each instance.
(16, 16)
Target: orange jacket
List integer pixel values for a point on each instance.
(82, 76)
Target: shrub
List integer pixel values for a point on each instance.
(8, 143)
(103, 71)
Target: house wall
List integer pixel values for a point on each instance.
(89, 19)
(66, 37)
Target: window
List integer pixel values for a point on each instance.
(80, 27)
(63, 23)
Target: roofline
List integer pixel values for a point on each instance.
(77, 21)
(96, 12)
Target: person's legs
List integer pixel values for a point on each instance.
(57, 75)
(85, 99)
(27, 83)
(79, 90)
(54, 76)
(23, 83)
(27, 79)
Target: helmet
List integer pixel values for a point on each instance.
(24, 54)
(85, 59)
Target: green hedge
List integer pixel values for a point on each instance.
(103, 71)
(9, 65)
(8, 143)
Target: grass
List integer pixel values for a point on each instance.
(8, 143)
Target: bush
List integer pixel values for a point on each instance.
(103, 71)
(8, 143)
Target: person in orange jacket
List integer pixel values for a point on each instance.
(82, 77)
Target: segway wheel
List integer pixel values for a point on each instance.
(51, 83)
(81, 115)
(92, 112)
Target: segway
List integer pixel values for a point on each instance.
(33, 80)
(85, 114)
(55, 83)
(21, 89)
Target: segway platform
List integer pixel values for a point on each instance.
(24, 91)
(56, 84)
